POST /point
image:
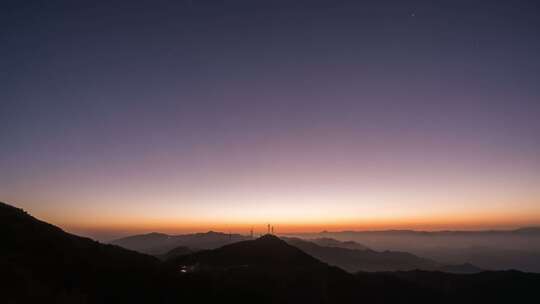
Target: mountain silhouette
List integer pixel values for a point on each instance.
(354, 260)
(267, 250)
(271, 269)
(329, 242)
(159, 243)
(488, 249)
(43, 264)
(461, 268)
(176, 252)
(348, 255)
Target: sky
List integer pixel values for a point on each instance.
(179, 116)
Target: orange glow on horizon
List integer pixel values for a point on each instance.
(469, 221)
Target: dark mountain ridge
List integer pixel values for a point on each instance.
(254, 252)
(329, 242)
(276, 271)
(176, 252)
(43, 264)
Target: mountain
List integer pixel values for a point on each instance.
(461, 268)
(269, 270)
(329, 242)
(176, 252)
(42, 263)
(151, 243)
(354, 260)
(491, 249)
(485, 287)
(348, 255)
(272, 270)
(159, 243)
(267, 250)
(522, 230)
(487, 257)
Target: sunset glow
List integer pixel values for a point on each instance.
(227, 118)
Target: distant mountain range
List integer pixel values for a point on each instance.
(328, 242)
(493, 249)
(350, 256)
(43, 264)
(354, 260)
(159, 243)
(523, 230)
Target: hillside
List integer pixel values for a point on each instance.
(42, 263)
(272, 270)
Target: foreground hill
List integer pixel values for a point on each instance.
(270, 270)
(43, 264)
(265, 251)
(278, 272)
(176, 252)
(484, 287)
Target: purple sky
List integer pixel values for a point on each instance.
(199, 114)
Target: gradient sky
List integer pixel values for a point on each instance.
(124, 116)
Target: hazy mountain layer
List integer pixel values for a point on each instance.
(354, 260)
(159, 243)
(497, 250)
